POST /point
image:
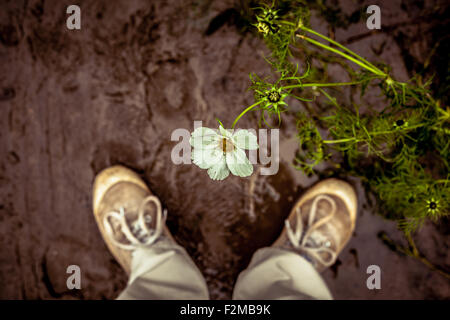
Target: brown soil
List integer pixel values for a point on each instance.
(75, 102)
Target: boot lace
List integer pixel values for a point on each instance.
(309, 241)
(139, 235)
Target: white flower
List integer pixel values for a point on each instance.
(222, 152)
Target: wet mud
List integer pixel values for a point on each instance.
(76, 102)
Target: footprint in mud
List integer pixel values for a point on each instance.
(9, 36)
(7, 93)
(114, 153)
(99, 277)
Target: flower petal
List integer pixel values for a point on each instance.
(204, 138)
(201, 131)
(226, 133)
(219, 171)
(238, 163)
(245, 140)
(206, 158)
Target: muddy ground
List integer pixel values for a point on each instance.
(75, 102)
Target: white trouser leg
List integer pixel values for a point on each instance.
(164, 271)
(276, 273)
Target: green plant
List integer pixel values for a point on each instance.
(400, 150)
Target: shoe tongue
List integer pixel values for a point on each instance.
(318, 239)
(138, 232)
(132, 219)
(320, 236)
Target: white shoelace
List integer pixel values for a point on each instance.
(301, 239)
(139, 235)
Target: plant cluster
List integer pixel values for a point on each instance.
(399, 150)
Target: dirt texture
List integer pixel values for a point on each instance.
(74, 102)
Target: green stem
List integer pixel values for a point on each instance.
(288, 23)
(371, 134)
(244, 112)
(341, 46)
(361, 64)
(446, 114)
(335, 84)
(338, 141)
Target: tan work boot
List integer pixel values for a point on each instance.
(127, 213)
(321, 223)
